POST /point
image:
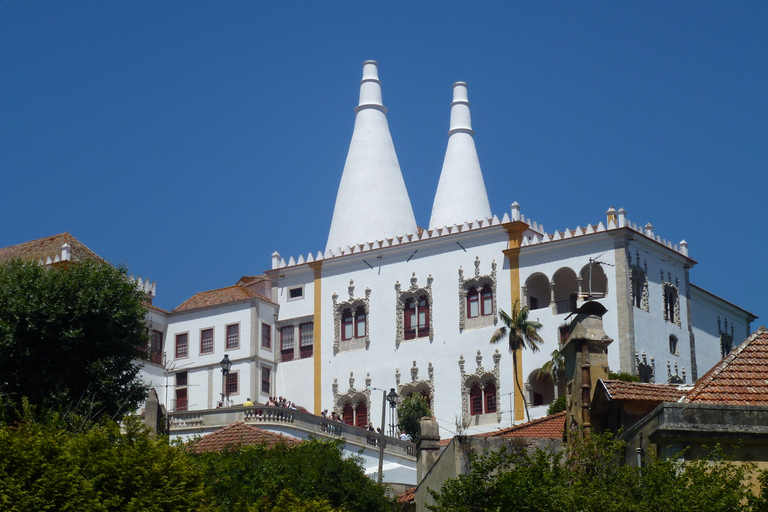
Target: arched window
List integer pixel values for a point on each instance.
(416, 318)
(361, 415)
(475, 400)
(353, 325)
(537, 291)
(473, 303)
(490, 397)
(348, 414)
(673, 346)
(479, 303)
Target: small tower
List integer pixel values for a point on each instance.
(461, 195)
(372, 202)
(586, 360)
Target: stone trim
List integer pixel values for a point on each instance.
(478, 281)
(676, 289)
(412, 293)
(416, 386)
(482, 377)
(352, 396)
(338, 309)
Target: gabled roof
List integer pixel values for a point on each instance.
(638, 391)
(218, 297)
(741, 378)
(252, 279)
(408, 496)
(43, 248)
(238, 434)
(548, 427)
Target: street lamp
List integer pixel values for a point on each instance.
(392, 399)
(226, 364)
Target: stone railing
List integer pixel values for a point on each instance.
(299, 423)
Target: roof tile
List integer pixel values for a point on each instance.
(42, 248)
(238, 434)
(621, 390)
(218, 297)
(548, 427)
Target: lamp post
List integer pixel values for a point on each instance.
(392, 396)
(392, 399)
(226, 364)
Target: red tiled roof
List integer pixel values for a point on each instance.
(217, 297)
(43, 248)
(238, 434)
(548, 427)
(446, 442)
(408, 496)
(252, 279)
(639, 391)
(741, 378)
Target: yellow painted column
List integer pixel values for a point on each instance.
(515, 231)
(317, 350)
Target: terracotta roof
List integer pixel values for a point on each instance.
(150, 306)
(446, 442)
(639, 391)
(238, 434)
(741, 378)
(43, 248)
(408, 496)
(252, 279)
(218, 297)
(548, 427)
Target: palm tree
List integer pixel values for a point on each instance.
(521, 333)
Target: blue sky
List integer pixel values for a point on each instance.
(190, 140)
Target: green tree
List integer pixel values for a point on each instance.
(46, 467)
(70, 336)
(254, 477)
(410, 410)
(521, 333)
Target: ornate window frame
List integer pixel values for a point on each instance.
(478, 282)
(352, 396)
(726, 340)
(668, 287)
(646, 371)
(636, 273)
(481, 377)
(416, 386)
(338, 309)
(402, 296)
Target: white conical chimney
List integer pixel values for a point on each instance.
(461, 195)
(372, 202)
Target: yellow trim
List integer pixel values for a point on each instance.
(515, 231)
(317, 349)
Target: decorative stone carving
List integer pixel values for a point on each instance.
(338, 311)
(675, 378)
(638, 283)
(646, 372)
(352, 397)
(481, 377)
(402, 296)
(416, 386)
(477, 282)
(671, 290)
(726, 339)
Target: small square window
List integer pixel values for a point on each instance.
(296, 293)
(181, 379)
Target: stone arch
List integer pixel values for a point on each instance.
(537, 291)
(594, 282)
(484, 381)
(349, 405)
(414, 294)
(416, 386)
(353, 304)
(565, 290)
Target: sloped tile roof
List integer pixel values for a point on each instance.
(238, 434)
(741, 378)
(408, 496)
(42, 248)
(252, 279)
(218, 297)
(620, 390)
(548, 427)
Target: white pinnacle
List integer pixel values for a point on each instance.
(461, 195)
(372, 202)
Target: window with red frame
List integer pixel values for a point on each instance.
(475, 400)
(348, 415)
(353, 323)
(306, 339)
(265, 380)
(479, 303)
(206, 341)
(266, 335)
(490, 398)
(232, 379)
(361, 416)
(181, 399)
(233, 336)
(416, 318)
(182, 347)
(156, 347)
(286, 343)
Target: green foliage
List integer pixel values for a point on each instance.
(70, 336)
(410, 410)
(43, 467)
(315, 472)
(625, 376)
(557, 406)
(590, 478)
